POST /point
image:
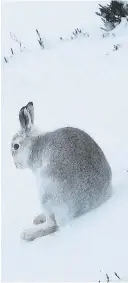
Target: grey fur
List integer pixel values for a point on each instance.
(76, 164)
(74, 173)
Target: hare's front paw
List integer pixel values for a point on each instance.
(41, 218)
(49, 227)
(28, 235)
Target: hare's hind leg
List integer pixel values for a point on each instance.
(49, 227)
(39, 219)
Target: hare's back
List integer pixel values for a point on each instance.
(73, 153)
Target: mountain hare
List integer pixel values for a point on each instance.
(72, 172)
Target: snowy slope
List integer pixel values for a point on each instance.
(81, 83)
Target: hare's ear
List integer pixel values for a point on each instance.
(30, 109)
(25, 119)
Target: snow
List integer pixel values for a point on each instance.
(81, 83)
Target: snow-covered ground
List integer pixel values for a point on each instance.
(81, 83)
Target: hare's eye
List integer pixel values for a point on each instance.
(16, 146)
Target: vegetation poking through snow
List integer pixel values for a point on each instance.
(117, 275)
(40, 40)
(12, 51)
(112, 13)
(13, 36)
(116, 47)
(5, 59)
(77, 33)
